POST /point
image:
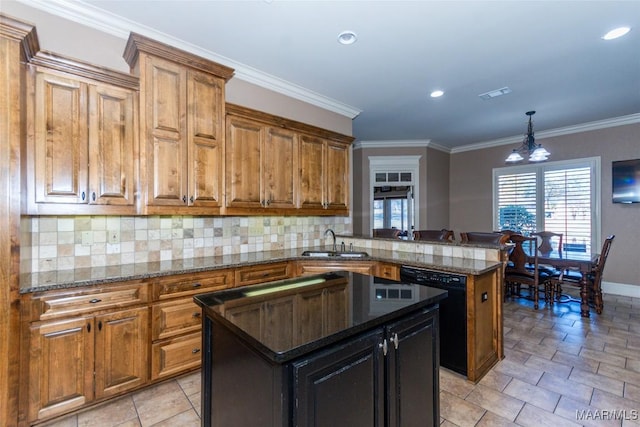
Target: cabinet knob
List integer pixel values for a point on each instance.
(184, 199)
(191, 199)
(83, 195)
(195, 351)
(383, 346)
(93, 196)
(395, 340)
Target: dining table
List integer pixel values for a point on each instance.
(584, 262)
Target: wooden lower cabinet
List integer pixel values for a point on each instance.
(174, 356)
(76, 361)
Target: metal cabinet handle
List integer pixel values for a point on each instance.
(395, 340)
(384, 346)
(94, 301)
(93, 196)
(191, 199)
(83, 195)
(197, 285)
(195, 351)
(196, 314)
(184, 199)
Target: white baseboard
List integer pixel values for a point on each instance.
(621, 289)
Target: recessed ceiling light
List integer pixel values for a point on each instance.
(347, 37)
(437, 94)
(615, 33)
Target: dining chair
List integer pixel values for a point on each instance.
(573, 278)
(547, 241)
(484, 237)
(386, 232)
(434, 235)
(517, 274)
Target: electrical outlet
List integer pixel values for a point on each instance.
(113, 236)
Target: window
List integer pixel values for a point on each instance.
(563, 197)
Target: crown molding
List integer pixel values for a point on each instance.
(101, 20)
(407, 143)
(568, 130)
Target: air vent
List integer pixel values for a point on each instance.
(494, 93)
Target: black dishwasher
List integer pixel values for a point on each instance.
(453, 313)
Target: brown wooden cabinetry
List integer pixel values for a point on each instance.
(182, 128)
(176, 322)
(260, 273)
(324, 175)
(82, 138)
(275, 165)
(85, 346)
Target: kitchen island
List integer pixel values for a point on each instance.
(321, 350)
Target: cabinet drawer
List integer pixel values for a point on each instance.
(55, 304)
(316, 267)
(176, 355)
(174, 318)
(262, 273)
(387, 271)
(190, 284)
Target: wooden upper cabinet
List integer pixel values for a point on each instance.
(81, 140)
(261, 165)
(275, 165)
(324, 175)
(182, 136)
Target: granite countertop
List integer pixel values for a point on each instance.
(61, 279)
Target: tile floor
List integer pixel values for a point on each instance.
(559, 370)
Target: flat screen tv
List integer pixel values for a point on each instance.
(626, 181)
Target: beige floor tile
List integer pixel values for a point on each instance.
(455, 384)
(557, 369)
(625, 409)
(161, 402)
(565, 387)
(575, 361)
(629, 353)
(495, 380)
(540, 350)
(537, 396)
(489, 419)
(614, 372)
(190, 384)
(531, 416)
(582, 413)
(116, 412)
(499, 403)
(518, 370)
(184, 419)
(602, 382)
(604, 357)
(459, 411)
(632, 392)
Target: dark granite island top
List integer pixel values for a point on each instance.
(325, 342)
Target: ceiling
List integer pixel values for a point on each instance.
(549, 53)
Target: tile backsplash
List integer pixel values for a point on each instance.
(51, 243)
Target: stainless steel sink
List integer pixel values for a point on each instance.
(352, 254)
(335, 254)
(319, 253)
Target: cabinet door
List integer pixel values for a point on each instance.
(111, 146)
(121, 351)
(312, 172)
(243, 163)
(341, 387)
(60, 367)
(280, 168)
(205, 128)
(337, 193)
(61, 140)
(164, 163)
(413, 371)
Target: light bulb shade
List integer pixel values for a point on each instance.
(539, 155)
(514, 157)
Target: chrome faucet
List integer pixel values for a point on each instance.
(333, 236)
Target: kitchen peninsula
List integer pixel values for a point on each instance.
(320, 350)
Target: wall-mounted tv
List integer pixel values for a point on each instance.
(626, 181)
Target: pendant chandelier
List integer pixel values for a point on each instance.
(528, 147)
